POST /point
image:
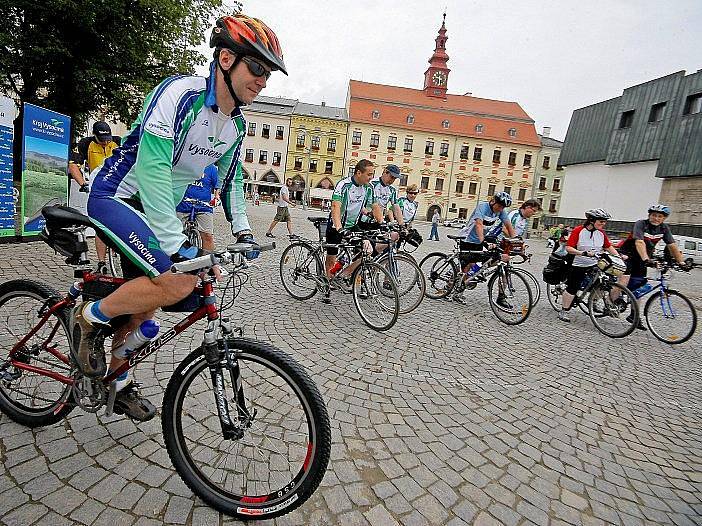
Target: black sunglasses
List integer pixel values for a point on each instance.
(413, 193)
(256, 69)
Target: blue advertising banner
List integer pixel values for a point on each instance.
(45, 142)
(7, 191)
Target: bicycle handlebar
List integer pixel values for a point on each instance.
(218, 258)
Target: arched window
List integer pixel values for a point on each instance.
(479, 128)
(445, 124)
(410, 119)
(513, 132)
(375, 114)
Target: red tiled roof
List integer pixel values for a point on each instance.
(463, 113)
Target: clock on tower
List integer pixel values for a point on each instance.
(436, 75)
(439, 78)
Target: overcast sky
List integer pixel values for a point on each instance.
(550, 56)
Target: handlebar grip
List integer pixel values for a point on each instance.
(193, 265)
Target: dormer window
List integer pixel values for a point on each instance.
(445, 124)
(410, 119)
(479, 128)
(375, 114)
(513, 132)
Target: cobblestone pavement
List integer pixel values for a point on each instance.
(449, 418)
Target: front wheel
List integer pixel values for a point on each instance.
(440, 272)
(613, 309)
(408, 277)
(193, 234)
(554, 293)
(299, 266)
(284, 451)
(509, 296)
(670, 317)
(26, 397)
(533, 284)
(375, 296)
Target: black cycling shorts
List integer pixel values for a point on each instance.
(635, 266)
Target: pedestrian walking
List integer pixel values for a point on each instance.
(282, 213)
(435, 226)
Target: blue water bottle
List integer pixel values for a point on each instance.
(147, 331)
(643, 290)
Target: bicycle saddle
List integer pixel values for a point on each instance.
(64, 216)
(460, 238)
(317, 220)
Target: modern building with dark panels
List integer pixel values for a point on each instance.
(642, 147)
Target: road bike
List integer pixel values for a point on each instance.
(670, 315)
(509, 291)
(611, 307)
(373, 288)
(244, 424)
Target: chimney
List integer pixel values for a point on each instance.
(546, 132)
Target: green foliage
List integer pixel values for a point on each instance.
(79, 56)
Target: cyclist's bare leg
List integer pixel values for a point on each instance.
(270, 228)
(121, 333)
(290, 227)
(145, 294)
(101, 250)
(329, 263)
(368, 249)
(567, 300)
(207, 241)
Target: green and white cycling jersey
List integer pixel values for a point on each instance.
(384, 195)
(519, 222)
(353, 198)
(178, 133)
(409, 208)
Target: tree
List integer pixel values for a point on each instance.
(79, 56)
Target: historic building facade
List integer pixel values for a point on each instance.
(549, 178)
(458, 149)
(316, 146)
(264, 152)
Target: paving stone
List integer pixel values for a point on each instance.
(379, 515)
(152, 503)
(205, 516)
(178, 510)
(87, 511)
(26, 514)
(337, 500)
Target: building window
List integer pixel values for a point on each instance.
(410, 119)
(459, 187)
(315, 142)
(522, 194)
(556, 185)
(300, 140)
(392, 142)
(527, 159)
(276, 158)
(479, 128)
(535, 223)
(374, 140)
(540, 200)
(513, 132)
(298, 163)
(496, 156)
(249, 155)
(462, 213)
(408, 144)
(331, 144)
(657, 112)
(262, 157)
(313, 165)
(552, 206)
(356, 138)
(328, 167)
(693, 104)
(375, 114)
(491, 190)
(279, 132)
(403, 179)
(252, 128)
(439, 185)
(542, 183)
(547, 162)
(443, 151)
(507, 190)
(627, 119)
(464, 152)
(425, 183)
(429, 148)
(445, 124)
(478, 154)
(472, 188)
(512, 158)
(266, 131)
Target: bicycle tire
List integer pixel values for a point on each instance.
(114, 261)
(675, 338)
(533, 284)
(367, 280)
(300, 269)
(280, 374)
(193, 235)
(612, 310)
(554, 293)
(412, 288)
(519, 307)
(59, 400)
(440, 272)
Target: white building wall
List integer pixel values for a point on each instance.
(624, 190)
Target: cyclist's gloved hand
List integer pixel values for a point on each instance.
(185, 252)
(84, 188)
(247, 237)
(651, 263)
(687, 267)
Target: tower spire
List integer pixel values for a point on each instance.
(436, 75)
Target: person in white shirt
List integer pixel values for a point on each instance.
(282, 213)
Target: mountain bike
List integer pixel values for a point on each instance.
(509, 292)
(244, 425)
(669, 314)
(372, 286)
(612, 308)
